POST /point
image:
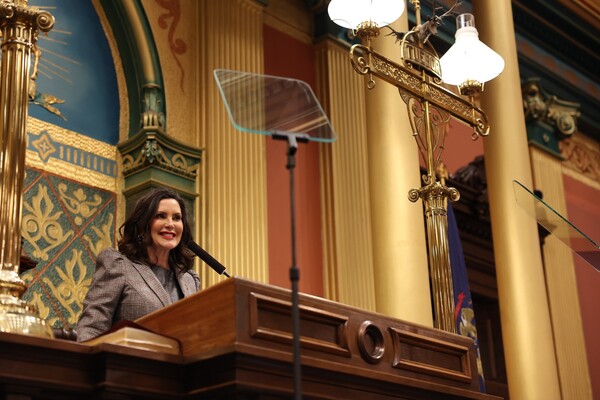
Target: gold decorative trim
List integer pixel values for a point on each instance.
(152, 152)
(67, 153)
(72, 138)
(582, 156)
(550, 109)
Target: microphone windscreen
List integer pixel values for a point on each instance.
(207, 258)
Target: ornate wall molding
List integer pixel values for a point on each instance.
(67, 153)
(152, 156)
(548, 118)
(582, 155)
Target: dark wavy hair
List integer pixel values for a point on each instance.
(135, 232)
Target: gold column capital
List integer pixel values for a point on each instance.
(18, 11)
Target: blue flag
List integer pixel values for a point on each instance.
(464, 315)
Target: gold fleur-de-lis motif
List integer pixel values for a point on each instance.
(40, 225)
(73, 286)
(43, 309)
(78, 204)
(104, 236)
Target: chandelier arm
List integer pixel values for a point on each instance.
(419, 80)
(364, 60)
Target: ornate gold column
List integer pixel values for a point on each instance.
(19, 24)
(526, 328)
(399, 249)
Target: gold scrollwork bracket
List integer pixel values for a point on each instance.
(540, 106)
(549, 120)
(365, 61)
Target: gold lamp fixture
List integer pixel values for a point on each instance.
(420, 76)
(365, 16)
(469, 63)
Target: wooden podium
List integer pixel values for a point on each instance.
(237, 344)
(237, 339)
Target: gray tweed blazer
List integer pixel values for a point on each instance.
(124, 290)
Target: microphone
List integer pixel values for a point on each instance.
(207, 258)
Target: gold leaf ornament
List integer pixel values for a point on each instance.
(78, 204)
(41, 224)
(73, 286)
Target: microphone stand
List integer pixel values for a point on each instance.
(292, 140)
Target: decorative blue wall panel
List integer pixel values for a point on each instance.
(65, 225)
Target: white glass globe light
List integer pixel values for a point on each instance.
(351, 13)
(469, 59)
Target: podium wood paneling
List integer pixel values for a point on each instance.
(236, 344)
(345, 351)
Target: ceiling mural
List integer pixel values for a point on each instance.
(74, 82)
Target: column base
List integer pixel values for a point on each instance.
(17, 316)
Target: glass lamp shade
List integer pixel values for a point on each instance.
(469, 59)
(351, 13)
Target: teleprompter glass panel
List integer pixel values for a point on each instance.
(558, 225)
(272, 105)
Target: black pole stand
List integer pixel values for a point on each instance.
(293, 140)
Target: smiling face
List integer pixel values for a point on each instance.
(166, 229)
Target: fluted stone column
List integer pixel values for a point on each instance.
(345, 205)
(234, 183)
(399, 250)
(562, 285)
(526, 328)
(550, 120)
